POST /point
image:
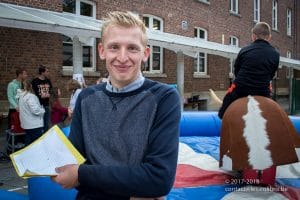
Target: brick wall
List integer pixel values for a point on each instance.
(297, 24)
(217, 20)
(31, 48)
(53, 5)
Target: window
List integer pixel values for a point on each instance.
(204, 1)
(289, 54)
(274, 15)
(200, 33)
(87, 55)
(233, 41)
(69, 6)
(88, 9)
(67, 51)
(234, 6)
(155, 61)
(200, 62)
(289, 22)
(80, 7)
(231, 67)
(256, 10)
(152, 22)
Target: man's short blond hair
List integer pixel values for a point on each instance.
(124, 19)
(262, 30)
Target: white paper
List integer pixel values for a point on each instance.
(44, 156)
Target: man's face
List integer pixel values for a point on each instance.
(47, 73)
(124, 52)
(24, 75)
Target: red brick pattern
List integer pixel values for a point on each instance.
(31, 48)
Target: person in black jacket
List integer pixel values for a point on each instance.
(42, 88)
(254, 68)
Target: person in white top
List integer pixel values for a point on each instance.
(75, 87)
(103, 79)
(31, 113)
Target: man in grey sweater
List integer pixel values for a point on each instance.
(127, 128)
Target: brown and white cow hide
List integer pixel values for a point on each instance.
(256, 134)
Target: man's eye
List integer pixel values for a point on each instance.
(113, 47)
(135, 49)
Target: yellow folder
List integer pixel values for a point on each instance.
(40, 158)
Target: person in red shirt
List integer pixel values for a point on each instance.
(58, 112)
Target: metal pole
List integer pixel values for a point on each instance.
(77, 60)
(180, 76)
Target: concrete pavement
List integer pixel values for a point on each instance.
(9, 180)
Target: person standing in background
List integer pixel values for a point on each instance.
(254, 68)
(31, 113)
(12, 88)
(75, 87)
(102, 79)
(42, 88)
(58, 112)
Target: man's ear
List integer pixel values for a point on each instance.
(101, 51)
(146, 54)
(269, 38)
(253, 37)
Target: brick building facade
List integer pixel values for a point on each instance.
(29, 48)
(296, 36)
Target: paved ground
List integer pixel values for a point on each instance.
(9, 180)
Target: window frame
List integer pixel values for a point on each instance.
(256, 10)
(198, 29)
(231, 39)
(231, 67)
(288, 54)
(150, 61)
(93, 4)
(198, 58)
(69, 43)
(91, 68)
(289, 22)
(274, 15)
(232, 60)
(234, 10)
(204, 1)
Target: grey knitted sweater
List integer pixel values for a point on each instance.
(130, 141)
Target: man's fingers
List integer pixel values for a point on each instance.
(59, 169)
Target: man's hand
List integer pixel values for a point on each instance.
(67, 176)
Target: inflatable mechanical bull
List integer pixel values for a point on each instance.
(256, 136)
